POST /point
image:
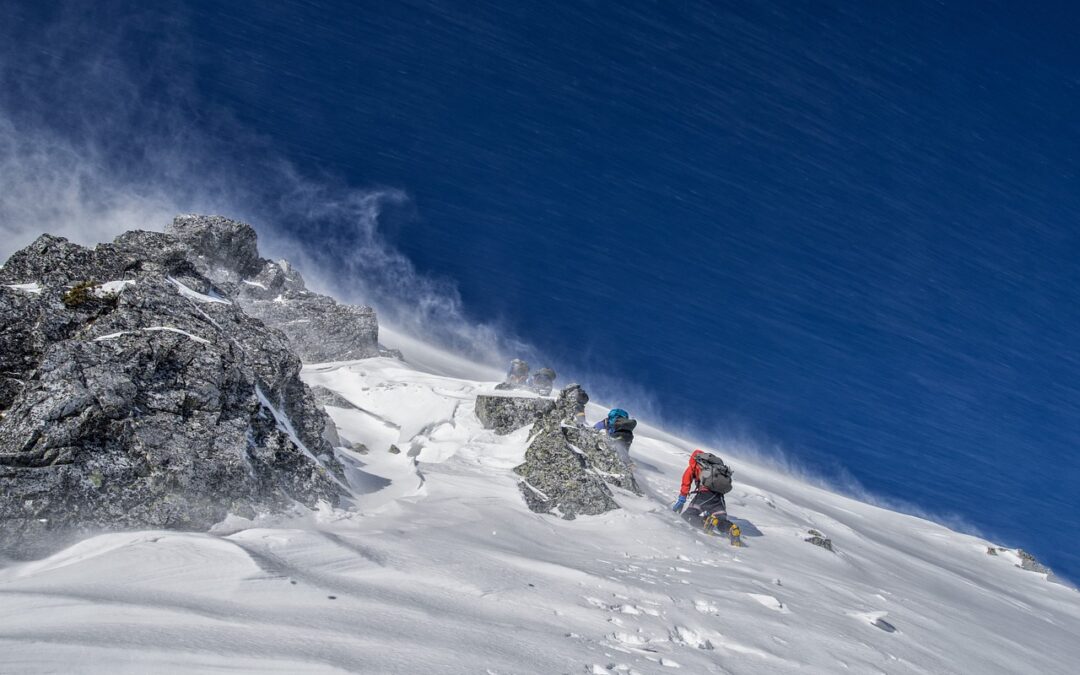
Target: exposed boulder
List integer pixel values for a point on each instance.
(568, 467)
(146, 401)
(220, 246)
(506, 414)
(318, 327)
(820, 540)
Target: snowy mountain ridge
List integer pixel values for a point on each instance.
(434, 562)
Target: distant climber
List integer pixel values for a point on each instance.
(517, 377)
(711, 479)
(542, 381)
(620, 427)
(580, 399)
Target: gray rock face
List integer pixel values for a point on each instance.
(506, 414)
(56, 262)
(568, 468)
(151, 403)
(318, 327)
(1030, 563)
(219, 245)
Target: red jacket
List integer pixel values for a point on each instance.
(692, 474)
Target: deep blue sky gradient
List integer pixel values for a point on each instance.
(850, 229)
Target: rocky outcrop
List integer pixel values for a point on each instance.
(318, 327)
(225, 250)
(136, 396)
(506, 414)
(818, 539)
(568, 468)
(1031, 563)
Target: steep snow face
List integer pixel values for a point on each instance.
(442, 568)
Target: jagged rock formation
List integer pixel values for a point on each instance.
(146, 401)
(506, 414)
(568, 467)
(1031, 563)
(318, 327)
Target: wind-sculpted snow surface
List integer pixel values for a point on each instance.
(144, 401)
(444, 569)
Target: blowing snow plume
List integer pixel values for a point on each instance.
(92, 146)
(103, 130)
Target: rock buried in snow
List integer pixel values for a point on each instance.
(324, 396)
(506, 414)
(884, 625)
(818, 539)
(568, 467)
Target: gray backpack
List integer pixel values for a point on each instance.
(715, 476)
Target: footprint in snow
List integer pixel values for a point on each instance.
(876, 619)
(770, 602)
(621, 668)
(638, 640)
(690, 638)
(706, 607)
(622, 608)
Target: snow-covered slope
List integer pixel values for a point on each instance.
(442, 569)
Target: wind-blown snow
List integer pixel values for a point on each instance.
(170, 329)
(442, 569)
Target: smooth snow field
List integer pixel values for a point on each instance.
(440, 568)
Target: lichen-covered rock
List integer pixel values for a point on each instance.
(148, 401)
(506, 414)
(318, 327)
(568, 467)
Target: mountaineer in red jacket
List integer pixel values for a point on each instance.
(706, 508)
